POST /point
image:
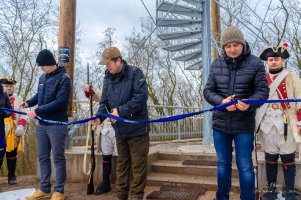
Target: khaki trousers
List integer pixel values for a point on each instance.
(131, 171)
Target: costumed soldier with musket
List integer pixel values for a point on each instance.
(14, 129)
(279, 124)
(106, 143)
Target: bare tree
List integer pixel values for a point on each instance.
(267, 23)
(97, 71)
(26, 28)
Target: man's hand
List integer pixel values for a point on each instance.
(87, 88)
(242, 106)
(22, 105)
(19, 130)
(228, 99)
(87, 91)
(95, 122)
(115, 113)
(31, 114)
(299, 130)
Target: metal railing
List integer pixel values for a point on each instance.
(175, 130)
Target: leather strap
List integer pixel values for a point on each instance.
(286, 164)
(273, 163)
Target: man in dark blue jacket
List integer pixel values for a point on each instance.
(52, 99)
(235, 75)
(125, 95)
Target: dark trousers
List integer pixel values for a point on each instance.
(11, 159)
(131, 172)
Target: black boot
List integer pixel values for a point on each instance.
(289, 171)
(271, 168)
(105, 185)
(11, 166)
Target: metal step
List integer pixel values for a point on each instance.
(197, 3)
(179, 9)
(189, 56)
(197, 44)
(195, 66)
(195, 34)
(183, 23)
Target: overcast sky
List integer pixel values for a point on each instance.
(97, 15)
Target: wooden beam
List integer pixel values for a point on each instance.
(66, 41)
(215, 26)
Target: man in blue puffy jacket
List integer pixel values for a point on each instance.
(235, 75)
(52, 99)
(125, 95)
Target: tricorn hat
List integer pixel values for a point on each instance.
(280, 51)
(8, 81)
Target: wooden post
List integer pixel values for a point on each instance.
(216, 26)
(66, 43)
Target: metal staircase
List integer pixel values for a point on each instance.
(180, 23)
(185, 25)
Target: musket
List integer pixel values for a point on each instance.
(255, 168)
(90, 186)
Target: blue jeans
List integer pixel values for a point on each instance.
(243, 150)
(49, 138)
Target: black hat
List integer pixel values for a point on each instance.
(8, 81)
(280, 51)
(45, 58)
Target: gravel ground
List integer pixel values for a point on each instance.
(78, 190)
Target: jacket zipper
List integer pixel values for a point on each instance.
(232, 83)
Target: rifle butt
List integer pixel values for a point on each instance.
(90, 186)
(257, 196)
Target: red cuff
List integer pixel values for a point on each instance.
(299, 114)
(87, 94)
(22, 122)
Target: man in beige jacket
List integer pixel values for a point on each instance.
(279, 124)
